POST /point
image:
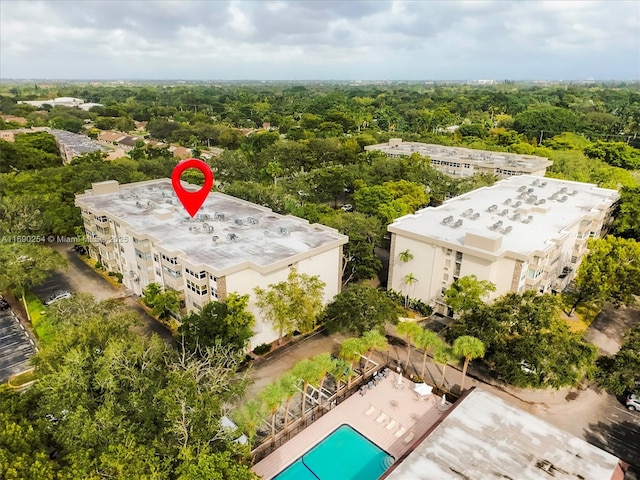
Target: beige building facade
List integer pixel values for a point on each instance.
(465, 162)
(142, 231)
(522, 233)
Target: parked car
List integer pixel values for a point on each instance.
(56, 297)
(633, 402)
(3, 303)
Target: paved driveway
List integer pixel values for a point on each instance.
(80, 278)
(16, 347)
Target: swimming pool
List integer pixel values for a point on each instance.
(344, 454)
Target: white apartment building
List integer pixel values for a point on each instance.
(142, 231)
(522, 233)
(465, 162)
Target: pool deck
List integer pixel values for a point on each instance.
(405, 414)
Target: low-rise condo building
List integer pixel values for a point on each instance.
(522, 233)
(142, 231)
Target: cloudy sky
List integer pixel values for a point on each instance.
(306, 40)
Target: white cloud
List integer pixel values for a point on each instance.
(320, 39)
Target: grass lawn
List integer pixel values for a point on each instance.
(37, 311)
(582, 317)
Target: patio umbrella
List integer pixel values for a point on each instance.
(423, 389)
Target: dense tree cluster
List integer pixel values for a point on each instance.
(111, 403)
(527, 342)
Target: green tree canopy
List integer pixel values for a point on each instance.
(359, 308)
(621, 372)
(466, 294)
(228, 322)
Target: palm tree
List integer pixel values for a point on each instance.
(373, 340)
(271, 397)
(406, 256)
(324, 364)
(307, 371)
(409, 330)
(409, 279)
(249, 417)
(289, 384)
(443, 355)
(351, 350)
(468, 347)
(341, 370)
(425, 341)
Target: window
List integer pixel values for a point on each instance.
(100, 218)
(446, 277)
(201, 274)
(172, 273)
(142, 255)
(197, 305)
(155, 257)
(171, 260)
(447, 263)
(574, 259)
(458, 256)
(158, 273)
(199, 289)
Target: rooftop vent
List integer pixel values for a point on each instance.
(238, 221)
(529, 219)
(149, 204)
(252, 221)
(563, 199)
(507, 230)
(504, 212)
(516, 217)
(284, 231)
(139, 204)
(218, 216)
(564, 190)
(543, 184)
(517, 204)
(467, 212)
(574, 192)
(507, 201)
(475, 216)
(532, 199)
(447, 220)
(207, 228)
(232, 237)
(529, 190)
(496, 225)
(534, 183)
(215, 239)
(457, 224)
(522, 188)
(541, 201)
(493, 208)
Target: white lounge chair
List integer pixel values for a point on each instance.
(391, 425)
(409, 437)
(401, 431)
(369, 412)
(381, 418)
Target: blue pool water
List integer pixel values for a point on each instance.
(343, 455)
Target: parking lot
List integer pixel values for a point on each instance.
(16, 347)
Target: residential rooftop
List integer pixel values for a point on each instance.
(226, 233)
(521, 214)
(480, 158)
(485, 437)
(77, 144)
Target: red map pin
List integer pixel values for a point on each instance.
(192, 201)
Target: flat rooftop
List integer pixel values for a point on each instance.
(77, 144)
(520, 214)
(485, 437)
(227, 232)
(483, 158)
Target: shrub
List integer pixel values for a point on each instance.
(262, 349)
(414, 303)
(119, 277)
(99, 266)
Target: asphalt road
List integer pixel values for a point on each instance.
(16, 347)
